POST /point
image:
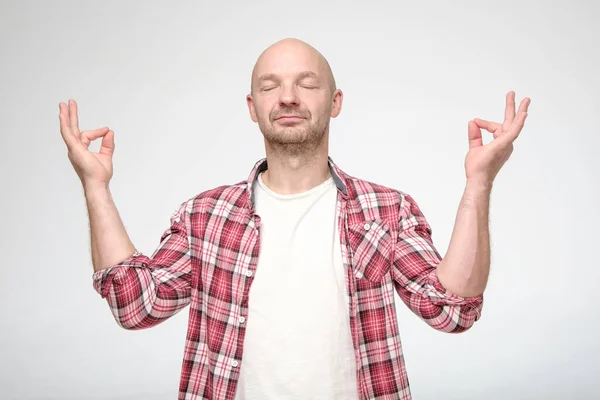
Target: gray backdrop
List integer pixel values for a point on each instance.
(171, 81)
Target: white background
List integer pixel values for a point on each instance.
(171, 82)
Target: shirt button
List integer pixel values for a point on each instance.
(367, 227)
(248, 273)
(234, 363)
(242, 320)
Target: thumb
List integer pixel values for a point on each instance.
(88, 136)
(107, 147)
(475, 139)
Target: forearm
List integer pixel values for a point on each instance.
(465, 268)
(142, 291)
(109, 240)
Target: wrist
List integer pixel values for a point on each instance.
(479, 185)
(92, 188)
(476, 191)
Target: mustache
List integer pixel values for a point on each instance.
(288, 113)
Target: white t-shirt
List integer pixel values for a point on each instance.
(298, 344)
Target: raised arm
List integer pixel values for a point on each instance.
(141, 291)
(466, 266)
(448, 293)
(415, 275)
(109, 240)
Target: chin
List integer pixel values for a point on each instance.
(287, 138)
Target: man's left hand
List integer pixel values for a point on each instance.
(484, 161)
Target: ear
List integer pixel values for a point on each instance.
(337, 100)
(251, 109)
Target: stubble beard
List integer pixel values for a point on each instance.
(294, 140)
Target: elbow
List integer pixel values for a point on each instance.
(129, 294)
(456, 318)
(468, 315)
(126, 325)
(461, 328)
(136, 324)
(454, 312)
(139, 314)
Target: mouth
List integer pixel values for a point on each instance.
(289, 118)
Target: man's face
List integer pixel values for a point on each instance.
(292, 96)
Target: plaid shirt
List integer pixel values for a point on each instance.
(207, 260)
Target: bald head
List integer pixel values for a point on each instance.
(293, 97)
(288, 54)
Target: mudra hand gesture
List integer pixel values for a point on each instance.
(92, 168)
(483, 162)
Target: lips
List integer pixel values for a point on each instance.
(290, 117)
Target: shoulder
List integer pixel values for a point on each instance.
(231, 195)
(362, 190)
(375, 200)
(226, 198)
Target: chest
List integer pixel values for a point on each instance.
(229, 249)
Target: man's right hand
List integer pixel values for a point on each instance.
(93, 169)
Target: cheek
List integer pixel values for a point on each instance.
(321, 109)
(263, 110)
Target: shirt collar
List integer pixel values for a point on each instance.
(339, 177)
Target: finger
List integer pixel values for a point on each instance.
(88, 136)
(524, 105)
(65, 129)
(492, 127)
(475, 139)
(74, 119)
(509, 112)
(516, 127)
(108, 144)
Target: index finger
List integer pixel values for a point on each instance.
(73, 117)
(509, 112)
(65, 129)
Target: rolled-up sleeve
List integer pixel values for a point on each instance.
(144, 291)
(415, 276)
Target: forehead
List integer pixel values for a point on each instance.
(288, 60)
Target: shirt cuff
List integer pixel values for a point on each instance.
(441, 296)
(103, 279)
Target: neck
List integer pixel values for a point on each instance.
(296, 173)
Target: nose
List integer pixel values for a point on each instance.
(288, 96)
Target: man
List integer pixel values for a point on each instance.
(290, 275)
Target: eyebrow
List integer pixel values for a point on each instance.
(274, 77)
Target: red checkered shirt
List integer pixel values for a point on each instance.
(207, 259)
